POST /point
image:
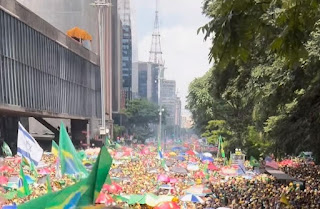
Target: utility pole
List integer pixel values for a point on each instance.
(101, 5)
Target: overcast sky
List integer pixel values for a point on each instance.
(185, 53)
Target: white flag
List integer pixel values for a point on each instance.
(28, 147)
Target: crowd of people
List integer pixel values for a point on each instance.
(137, 170)
(238, 192)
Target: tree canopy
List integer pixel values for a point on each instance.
(265, 76)
(141, 114)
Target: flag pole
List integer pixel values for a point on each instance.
(218, 147)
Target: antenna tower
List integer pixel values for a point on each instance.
(155, 51)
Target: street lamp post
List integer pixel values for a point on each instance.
(101, 4)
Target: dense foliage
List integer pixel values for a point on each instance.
(265, 78)
(141, 117)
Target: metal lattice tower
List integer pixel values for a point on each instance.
(155, 51)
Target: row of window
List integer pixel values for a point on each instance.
(39, 74)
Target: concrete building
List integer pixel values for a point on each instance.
(66, 14)
(145, 81)
(117, 88)
(135, 80)
(172, 105)
(168, 100)
(178, 112)
(44, 74)
(125, 15)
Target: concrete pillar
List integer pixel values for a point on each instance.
(9, 131)
(78, 127)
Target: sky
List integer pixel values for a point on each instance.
(184, 51)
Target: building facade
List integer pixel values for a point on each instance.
(125, 15)
(178, 112)
(145, 81)
(168, 100)
(117, 88)
(66, 14)
(44, 73)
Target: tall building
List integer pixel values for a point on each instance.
(145, 81)
(178, 112)
(125, 15)
(168, 100)
(135, 80)
(66, 14)
(116, 59)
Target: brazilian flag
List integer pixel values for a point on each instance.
(79, 195)
(221, 147)
(24, 190)
(69, 158)
(254, 162)
(54, 148)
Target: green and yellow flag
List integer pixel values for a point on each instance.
(6, 150)
(284, 199)
(254, 162)
(69, 158)
(24, 190)
(88, 188)
(55, 149)
(33, 170)
(221, 147)
(206, 171)
(24, 161)
(107, 142)
(48, 184)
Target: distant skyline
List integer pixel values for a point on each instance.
(185, 53)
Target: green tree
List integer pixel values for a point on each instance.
(216, 128)
(200, 102)
(118, 131)
(141, 114)
(266, 73)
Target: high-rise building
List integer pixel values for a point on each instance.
(178, 113)
(135, 80)
(168, 100)
(145, 81)
(125, 15)
(116, 59)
